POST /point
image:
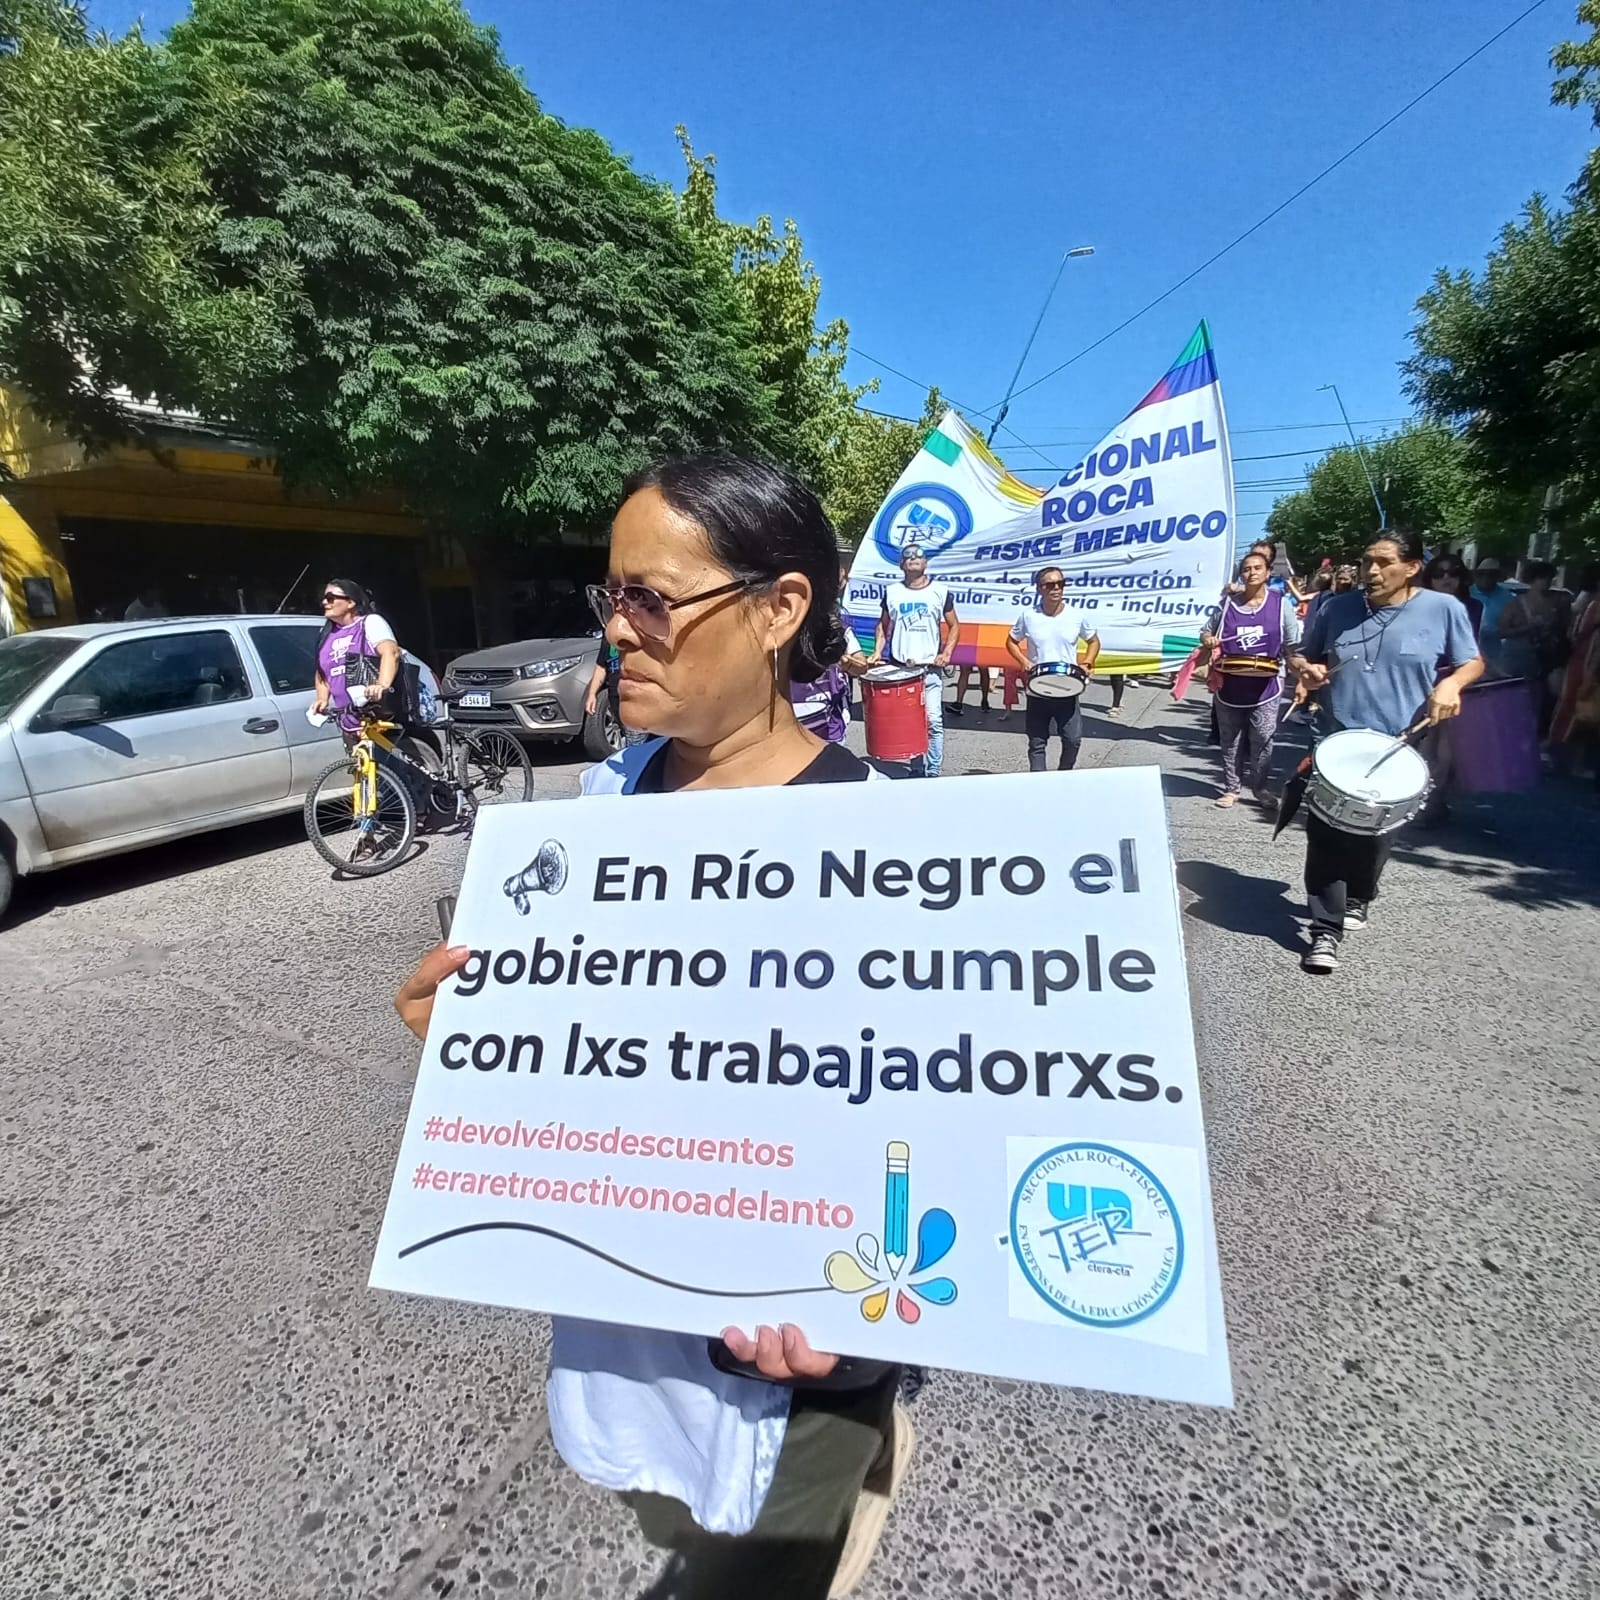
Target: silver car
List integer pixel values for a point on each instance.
(537, 688)
(122, 734)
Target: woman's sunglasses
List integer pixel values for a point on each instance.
(648, 609)
(332, 594)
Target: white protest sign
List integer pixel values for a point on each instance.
(1142, 528)
(786, 1055)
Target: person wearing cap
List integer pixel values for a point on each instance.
(1494, 596)
(917, 628)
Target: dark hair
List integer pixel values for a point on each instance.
(1322, 581)
(1405, 540)
(1038, 577)
(1255, 552)
(359, 598)
(1450, 566)
(1267, 547)
(1533, 571)
(760, 522)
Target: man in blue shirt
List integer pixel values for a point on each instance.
(1373, 656)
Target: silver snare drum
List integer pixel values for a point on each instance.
(1346, 791)
(1058, 680)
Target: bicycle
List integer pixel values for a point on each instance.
(373, 804)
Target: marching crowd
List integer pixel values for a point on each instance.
(764, 1465)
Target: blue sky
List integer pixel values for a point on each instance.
(940, 156)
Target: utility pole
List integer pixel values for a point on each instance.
(1076, 253)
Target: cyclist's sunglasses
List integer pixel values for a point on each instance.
(648, 609)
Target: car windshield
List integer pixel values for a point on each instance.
(24, 662)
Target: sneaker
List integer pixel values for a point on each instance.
(872, 1508)
(1323, 956)
(956, 709)
(1355, 914)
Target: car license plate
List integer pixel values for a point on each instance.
(477, 698)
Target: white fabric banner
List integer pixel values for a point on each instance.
(1142, 528)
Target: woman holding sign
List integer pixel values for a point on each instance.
(767, 1465)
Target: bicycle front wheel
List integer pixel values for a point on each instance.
(347, 834)
(495, 768)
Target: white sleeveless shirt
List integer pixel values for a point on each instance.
(638, 1408)
(635, 1408)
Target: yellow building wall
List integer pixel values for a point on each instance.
(30, 547)
(205, 482)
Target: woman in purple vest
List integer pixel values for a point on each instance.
(351, 628)
(1251, 633)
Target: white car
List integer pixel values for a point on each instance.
(122, 734)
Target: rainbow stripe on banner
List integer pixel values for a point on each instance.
(1195, 368)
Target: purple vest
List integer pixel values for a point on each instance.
(1257, 633)
(823, 707)
(349, 640)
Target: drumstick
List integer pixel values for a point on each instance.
(1400, 739)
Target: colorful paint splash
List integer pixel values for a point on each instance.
(875, 1268)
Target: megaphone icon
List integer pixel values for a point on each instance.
(545, 874)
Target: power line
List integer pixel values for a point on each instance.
(1239, 433)
(1283, 205)
(856, 350)
(1287, 455)
(1297, 427)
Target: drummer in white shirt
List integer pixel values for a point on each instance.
(1050, 636)
(917, 628)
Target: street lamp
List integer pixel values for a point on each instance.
(1073, 254)
(1383, 516)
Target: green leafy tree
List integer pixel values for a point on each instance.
(780, 291)
(1427, 481)
(346, 227)
(108, 275)
(491, 310)
(869, 454)
(1578, 62)
(1511, 359)
(1512, 356)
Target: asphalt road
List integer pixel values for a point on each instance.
(204, 1089)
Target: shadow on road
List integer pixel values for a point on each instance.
(93, 880)
(1230, 900)
(1176, 786)
(1534, 850)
